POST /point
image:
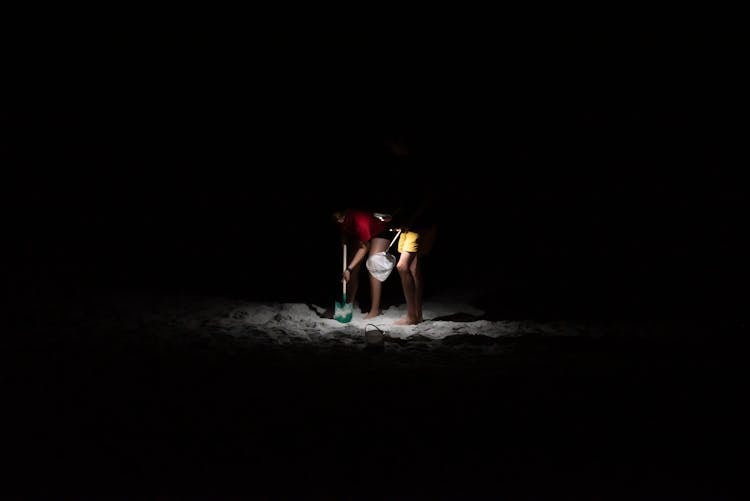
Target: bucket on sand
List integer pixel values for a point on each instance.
(374, 338)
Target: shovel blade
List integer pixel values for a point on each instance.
(343, 312)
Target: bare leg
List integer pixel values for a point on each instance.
(416, 273)
(353, 285)
(426, 242)
(409, 285)
(376, 287)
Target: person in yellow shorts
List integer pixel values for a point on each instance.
(417, 218)
(413, 245)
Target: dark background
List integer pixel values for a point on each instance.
(581, 172)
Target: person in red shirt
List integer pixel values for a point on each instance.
(366, 234)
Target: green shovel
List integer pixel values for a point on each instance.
(343, 310)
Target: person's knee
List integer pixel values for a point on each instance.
(402, 268)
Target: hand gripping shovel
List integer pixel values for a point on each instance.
(343, 310)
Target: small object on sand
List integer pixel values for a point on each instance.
(374, 337)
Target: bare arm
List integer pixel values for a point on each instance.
(359, 255)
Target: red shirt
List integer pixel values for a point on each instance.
(362, 225)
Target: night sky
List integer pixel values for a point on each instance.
(588, 175)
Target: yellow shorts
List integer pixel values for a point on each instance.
(421, 243)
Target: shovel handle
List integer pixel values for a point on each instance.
(343, 282)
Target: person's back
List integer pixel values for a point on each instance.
(419, 209)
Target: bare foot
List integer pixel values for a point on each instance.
(406, 321)
(371, 315)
